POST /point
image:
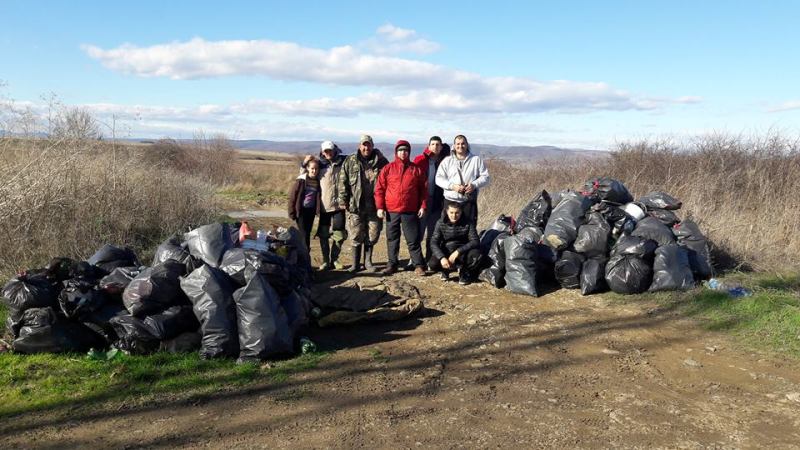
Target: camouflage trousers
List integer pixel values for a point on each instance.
(364, 228)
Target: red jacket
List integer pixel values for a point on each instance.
(401, 187)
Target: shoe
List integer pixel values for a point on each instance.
(368, 258)
(324, 266)
(420, 271)
(390, 269)
(325, 248)
(444, 276)
(463, 280)
(410, 266)
(336, 248)
(338, 265)
(356, 259)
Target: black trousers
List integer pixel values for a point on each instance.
(426, 227)
(409, 222)
(468, 264)
(469, 209)
(305, 222)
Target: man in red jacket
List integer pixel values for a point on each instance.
(400, 195)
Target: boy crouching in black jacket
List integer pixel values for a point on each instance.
(455, 243)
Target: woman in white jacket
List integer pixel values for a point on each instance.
(461, 175)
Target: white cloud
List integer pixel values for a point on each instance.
(785, 106)
(390, 40)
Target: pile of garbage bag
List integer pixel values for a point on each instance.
(596, 239)
(214, 289)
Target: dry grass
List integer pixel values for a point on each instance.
(740, 190)
(68, 197)
(262, 178)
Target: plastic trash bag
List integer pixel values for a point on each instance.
(79, 298)
(593, 276)
(212, 298)
(607, 189)
(503, 224)
(665, 216)
(173, 248)
(43, 331)
(566, 218)
(535, 213)
(635, 246)
(110, 257)
(593, 236)
(660, 200)
(29, 291)
(155, 289)
(671, 269)
(628, 274)
(568, 269)
(262, 322)
(242, 264)
(119, 278)
(210, 242)
(297, 307)
(690, 237)
(521, 255)
(652, 228)
(172, 322)
(133, 336)
(495, 274)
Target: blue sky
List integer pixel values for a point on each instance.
(575, 74)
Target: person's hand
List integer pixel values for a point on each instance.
(421, 213)
(381, 214)
(455, 187)
(445, 263)
(469, 188)
(453, 257)
(307, 159)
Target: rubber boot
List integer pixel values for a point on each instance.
(356, 259)
(325, 246)
(368, 258)
(336, 249)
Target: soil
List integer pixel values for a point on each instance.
(478, 368)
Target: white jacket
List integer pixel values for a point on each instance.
(470, 170)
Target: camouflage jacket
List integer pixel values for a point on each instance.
(353, 194)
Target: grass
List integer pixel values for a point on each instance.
(769, 320)
(51, 382)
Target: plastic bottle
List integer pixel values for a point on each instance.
(732, 290)
(307, 346)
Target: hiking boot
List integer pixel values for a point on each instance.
(390, 269)
(420, 271)
(336, 248)
(356, 259)
(368, 258)
(325, 247)
(324, 266)
(444, 276)
(410, 266)
(463, 280)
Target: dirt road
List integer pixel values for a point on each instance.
(481, 368)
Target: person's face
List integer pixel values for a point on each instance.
(453, 214)
(365, 149)
(461, 146)
(327, 154)
(435, 147)
(313, 170)
(402, 154)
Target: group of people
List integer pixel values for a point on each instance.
(434, 197)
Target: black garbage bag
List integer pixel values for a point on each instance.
(297, 307)
(155, 289)
(172, 322)
(100, 320)
(133, 336)
(211, 295)
(262, 322)
(503, 224)
(690, 237)
(628, 274)
(119, 278)
(593, 236)
(29, 291)
(652, 228)
(535, 213)
(495, 274)
(671, 269)
(635, 246)
(546, 258)
(59, 269)
(110, 257)
(171, 248)
(183, 343)
(209, 242)
(13, 322)
(44, 331)
(665, 216)
(242, 264)
(660, 200)
(607, 189)
(593, 276)
(293, 249)
(568, 269)
(86, 271)
(521, 256)
(566, 218)
(79, 298)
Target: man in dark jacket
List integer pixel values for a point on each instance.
(356, 190)
(429, 161)
(455, 243)
(400, 196)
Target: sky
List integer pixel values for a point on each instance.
(579, 74)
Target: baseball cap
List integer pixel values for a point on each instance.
(365, 138)
(327, 145)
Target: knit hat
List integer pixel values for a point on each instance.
(402, 143)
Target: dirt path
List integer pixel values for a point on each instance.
(482, 368)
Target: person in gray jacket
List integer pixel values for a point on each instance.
(461, 175)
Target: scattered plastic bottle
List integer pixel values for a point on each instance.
(734, 291)
(307, 346)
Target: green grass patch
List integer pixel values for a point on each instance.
(47, 381)
(767, 320)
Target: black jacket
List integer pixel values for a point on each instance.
(447, 234)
